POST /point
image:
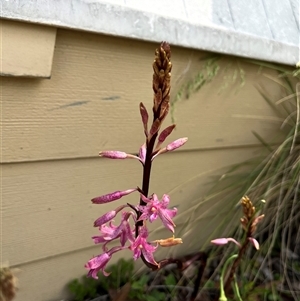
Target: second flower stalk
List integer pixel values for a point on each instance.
(132, 231)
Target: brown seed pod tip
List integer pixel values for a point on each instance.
(166, 47)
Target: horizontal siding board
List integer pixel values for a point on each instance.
(91, 102)
(46, 207)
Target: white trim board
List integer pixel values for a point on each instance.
(217, 26)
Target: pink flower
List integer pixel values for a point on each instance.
(98, 263)
(112, 196)
(224, 241)
(141, 246)
(112, 232)
(155, 208)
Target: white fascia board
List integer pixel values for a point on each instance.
(120, 20)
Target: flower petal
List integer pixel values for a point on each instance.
(144, 216)
(171, 212)
(98, 239)
(153, 217)
(166, 220)
(93, 273)
(148, 254)
(137, 253)
(98, 261)
(165, 200)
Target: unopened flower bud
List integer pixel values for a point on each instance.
(112, 196)
(144, 115)
(108, 216)
(113, 154)
(155, 127)
(142, 153)
(165, 133)
(224, 241)
(116, 155)
(254, 242)
(176, 144)
(257, 220)
(105, 218)
(172, 146)
(157, 98)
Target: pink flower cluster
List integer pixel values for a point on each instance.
(125, 231)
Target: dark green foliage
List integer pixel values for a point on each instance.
(87, 288)
(139, 290)
(170, 280)
(121, 273)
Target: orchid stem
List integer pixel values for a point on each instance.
(236, 289)
(222, 291)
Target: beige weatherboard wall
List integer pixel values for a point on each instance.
(53, 128)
